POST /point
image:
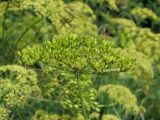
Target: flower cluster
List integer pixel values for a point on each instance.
(143, 13)
(110, 117)
(69, 96)
(78, 53)
(4, 114)
(64, 17)
(17, 84)
(122, 96)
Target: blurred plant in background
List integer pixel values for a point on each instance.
(79, 59)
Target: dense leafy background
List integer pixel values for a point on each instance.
(79, 59)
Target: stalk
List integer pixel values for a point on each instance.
(4, 21)
(23, 34)
(81, 97)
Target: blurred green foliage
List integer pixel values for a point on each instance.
(79, 60)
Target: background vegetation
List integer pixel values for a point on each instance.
(79, 59)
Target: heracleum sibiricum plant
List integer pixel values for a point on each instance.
(110, 117)
(4, 113)
(57, 80)
(40, 20)
(78, 55)
(136, 27)
(143, 13)
(121, 95)
(17, 84)
(64, 17)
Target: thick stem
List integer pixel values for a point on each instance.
(23, 34)
(4, 21)
(81, 97)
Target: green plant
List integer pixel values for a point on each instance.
(17, 85)
(40, 21)
(77, 55)
(79, 59)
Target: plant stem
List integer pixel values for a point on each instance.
(4, 21)
(42, 99)
(19, 39)
(81, 97)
